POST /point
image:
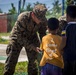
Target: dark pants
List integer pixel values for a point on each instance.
(49, 69)
(69, 68)
(12, 59)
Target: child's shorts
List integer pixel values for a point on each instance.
(50, 69)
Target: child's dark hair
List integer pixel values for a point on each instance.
(71, 11)
(53, 23)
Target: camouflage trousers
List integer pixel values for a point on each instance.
(13, 51)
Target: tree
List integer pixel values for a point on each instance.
(68, 2)
(22, 4)
(56, 8)
(11, 18)
(38, 3)
(29, 7)
(13, 10)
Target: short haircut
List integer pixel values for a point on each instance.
(53, 23)
(71, 11)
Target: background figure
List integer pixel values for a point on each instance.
(24, 34)
(62, 24)
(69, 41)
(51, 62)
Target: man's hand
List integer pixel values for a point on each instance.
(38, 50)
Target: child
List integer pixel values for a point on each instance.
(62, 24)
(69, 41)
(51, 62)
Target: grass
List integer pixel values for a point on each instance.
(1, 68)
(4, 41)
(21, 68)
(4, 34)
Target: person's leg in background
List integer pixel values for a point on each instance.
(32, 62)
(32, 54)
(74, 68)
(39, 56)
(68, 68)
(12, 59)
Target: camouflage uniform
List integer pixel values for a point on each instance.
(62, 24)
(24, 34)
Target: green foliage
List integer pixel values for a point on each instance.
(38, 3)
(29, 7)
(22, 10)
(22, 4)
(1, 68)
(68, 2)
(21, 68)
(4, 34)
(11, 19)
(4, 41)
(13, 10)
(22, 73)
(48, 14)
(56, 10)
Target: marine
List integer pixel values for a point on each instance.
(25, 34)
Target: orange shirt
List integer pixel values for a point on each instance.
(50, 46)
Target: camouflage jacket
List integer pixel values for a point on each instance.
(26, 28)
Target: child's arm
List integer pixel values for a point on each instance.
(63, 43)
